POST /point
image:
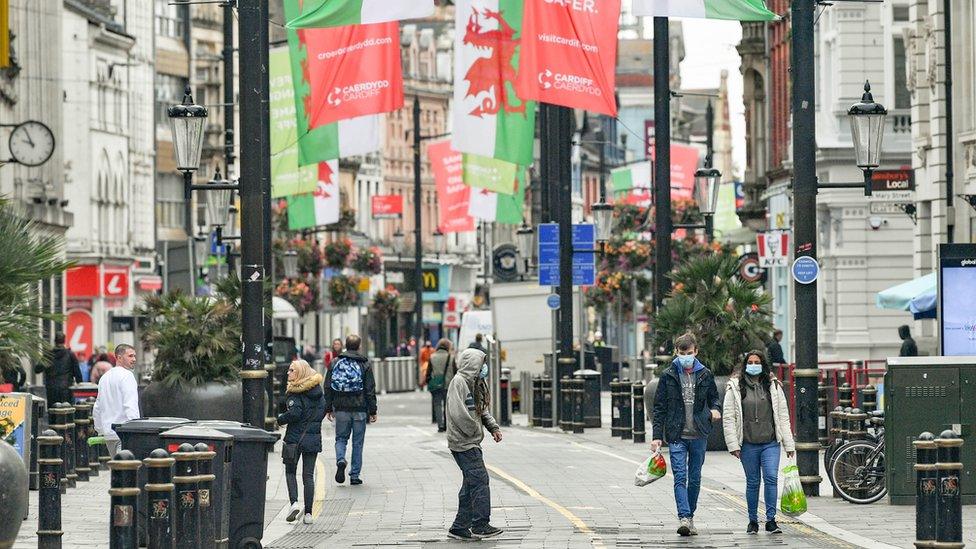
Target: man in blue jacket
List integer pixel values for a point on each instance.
(685, 404)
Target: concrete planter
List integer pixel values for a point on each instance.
(716, 440)
(13, 494)
(207, 401)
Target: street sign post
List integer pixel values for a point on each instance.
(584, 258)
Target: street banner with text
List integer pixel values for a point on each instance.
(487, 173)
(569, 54)
(500, 208)
(340, 13)
(318, 208)
(736, 10)
(684, 163)
(287, 177)
(386, 206)
(453, 195)
(489, 117)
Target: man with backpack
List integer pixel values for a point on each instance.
(439, 374)
(350, 399)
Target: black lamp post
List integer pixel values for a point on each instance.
(188, 122)
(867, 133)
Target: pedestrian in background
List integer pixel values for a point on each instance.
(118, 397)
(99, 369)
(350, 400)
(332, 354)
(425, 353)
(306, 409)
(774, 349)
(908, 346)
(685, 404)
(439, 375)
(479, 343)
(756, 423)
(467, 417)
(60, 370)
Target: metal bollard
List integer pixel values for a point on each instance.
(926, 490)
(856, 427)
(869, 399)
(536, 401)
(844, 395)
(187, 523)
(836, 423)
(823, 412)
(124, 525)
(615, 407)
(948, 525)
(639, 427)
(208, 528)
(579, 395)
(38, 410)
(70, 442)
(49, 465)
(83, 421)
(505, 398)
(626, 427)
(159, 495)
(565, 417)
(545, 413)
(98, 457)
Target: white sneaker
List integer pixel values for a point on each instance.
(691, 527)
(308, 518)
(293, 513)
(684, 527)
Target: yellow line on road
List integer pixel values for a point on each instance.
(319, 502)
(533, 493)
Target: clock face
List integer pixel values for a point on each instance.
(31, 143)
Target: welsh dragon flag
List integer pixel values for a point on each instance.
(735, 10)
(500, 208)
(315, 209)
(489, 118)
(340, 13)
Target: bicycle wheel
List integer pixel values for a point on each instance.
(857, 472)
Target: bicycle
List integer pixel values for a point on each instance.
(857, 469)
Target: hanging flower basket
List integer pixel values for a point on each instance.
(368, 260)
(344, 291)
(628, 217)
(301, 293)
(386, 302)
(337, 253)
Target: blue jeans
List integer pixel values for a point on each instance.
(687, 458)
(474, 498)
(761, 459)
(353, 423)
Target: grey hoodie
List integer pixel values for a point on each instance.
(464, 424)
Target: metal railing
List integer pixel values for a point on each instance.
(395, 374)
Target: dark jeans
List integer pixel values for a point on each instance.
(308, 479)
(474, 499)
(440, 399)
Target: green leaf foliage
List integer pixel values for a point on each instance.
(728, 316)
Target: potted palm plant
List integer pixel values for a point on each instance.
(197, 341)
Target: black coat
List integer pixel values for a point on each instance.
(62, 370)
(669, 406)
(361, 401)
(306, 410)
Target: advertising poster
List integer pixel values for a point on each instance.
(957, 279)
(453, 196)
(15, 422)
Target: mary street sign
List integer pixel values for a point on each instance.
(893, 185)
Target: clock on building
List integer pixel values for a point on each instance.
(31, 143)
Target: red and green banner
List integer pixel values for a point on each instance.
(453, 196)
(340, 13)
(569, 53)
(320, 207)
(499, 208)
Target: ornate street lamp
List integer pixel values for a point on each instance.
(201, 249)
(398, 241)
(189, 121)
(218, 201)
(707, 181)
(290, 264)
(867, 133)
(525, 237)
(603, 218)
(438, 241)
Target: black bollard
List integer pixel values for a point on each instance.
(208, 528)
(626, 427)
(926, 490)
(579, 396)
(823, 411)
(836, 422)
(187, 524)
(546, 412)
(70, 442)
(56, 420)
(565, 405)
(948, 526)
(639, 427)
(49, 490)
(159, 495)
(869, 399)
(124, 521)
(856, 426)
(536, 405)
(83, 428)
(615, 407)
(38, 410)
(505, 398)
(844, 396)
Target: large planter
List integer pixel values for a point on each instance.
(716, 439)
(13, 494)
(207, 401)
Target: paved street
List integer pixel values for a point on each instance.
(548, 490)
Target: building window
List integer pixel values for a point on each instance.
(169, 195)
(170, 20)
(903, 98)
(169, 92)
(899, 13)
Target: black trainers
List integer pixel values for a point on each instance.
(772, 527)
(463, 535)
(753, 527)
(487, 531)
(355, 481)
(340, 472)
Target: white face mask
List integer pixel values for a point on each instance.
(754, 369)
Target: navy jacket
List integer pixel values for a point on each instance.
(669, 406)
(362, 401)
(306, 410)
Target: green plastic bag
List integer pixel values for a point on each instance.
(793, 502)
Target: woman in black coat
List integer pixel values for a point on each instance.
(306, 409)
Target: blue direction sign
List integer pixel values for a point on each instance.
(553, 301)
(584, 260)
(805, 269)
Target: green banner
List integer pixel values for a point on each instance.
(488, 173)
(287, 177)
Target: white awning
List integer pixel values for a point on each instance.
(282, 309)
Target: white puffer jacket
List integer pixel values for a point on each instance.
(732, 415)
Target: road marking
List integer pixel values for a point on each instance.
(319, 502)
(533, 493)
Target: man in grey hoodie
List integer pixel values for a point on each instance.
(467, 417)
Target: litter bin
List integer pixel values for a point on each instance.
(591, 397)
(608, 366)
(141, 436)
(248, 484)
(221, 443)
(80, 392)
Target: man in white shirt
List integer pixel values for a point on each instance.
(118, 397)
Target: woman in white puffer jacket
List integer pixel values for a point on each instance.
(756, 423)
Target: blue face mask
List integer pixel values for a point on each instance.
(484, 371)
(686, 361)
(754, 369)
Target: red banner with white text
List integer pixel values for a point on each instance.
(453, 195)
(350, 71)
(386, 206)
(569, 53)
